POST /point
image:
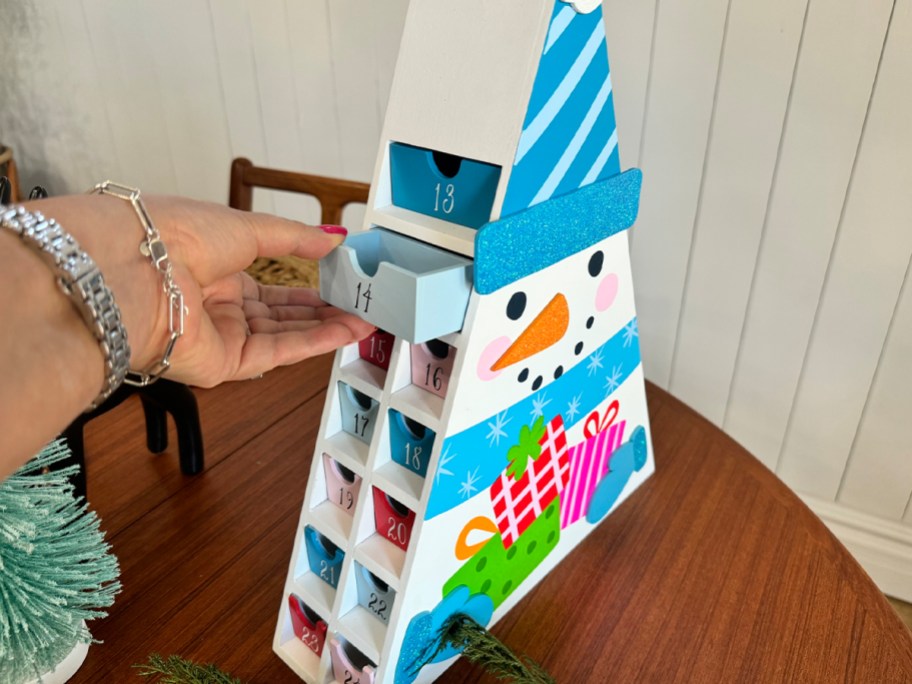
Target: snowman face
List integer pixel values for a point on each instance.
(529, 333)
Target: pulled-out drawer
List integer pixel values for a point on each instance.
(406, 287)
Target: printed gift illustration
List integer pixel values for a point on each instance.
(498, 414)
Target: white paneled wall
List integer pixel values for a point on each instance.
(772, 255)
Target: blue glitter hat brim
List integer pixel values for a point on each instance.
(531, 240)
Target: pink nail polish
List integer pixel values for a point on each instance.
(333, 230)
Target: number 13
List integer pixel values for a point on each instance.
(448, 201)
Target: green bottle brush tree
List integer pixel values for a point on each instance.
(56, 570)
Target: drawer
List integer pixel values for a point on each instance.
(374, 595)
(411, 443)
(442, 185)
(393, 520)
(324, 557)
(306, 624)
(408, 288)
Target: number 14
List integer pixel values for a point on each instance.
(366, 296)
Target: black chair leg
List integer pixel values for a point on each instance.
(158, 400)
(156, 424)
(181, 404)
(74, 439)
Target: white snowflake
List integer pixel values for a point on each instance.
(630, 332)
(497, 429)
(445, 458)
(573, 408)
(538, 405)
(595, 362)
(468, 487)
(614, 380)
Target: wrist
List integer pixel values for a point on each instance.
(108, 230)
(75, 276)
(53, 346)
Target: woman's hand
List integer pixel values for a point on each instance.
(51, 363)
(234, 329)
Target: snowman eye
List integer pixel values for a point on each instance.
(516, 306)
(595, 263)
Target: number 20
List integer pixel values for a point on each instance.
(398, 531)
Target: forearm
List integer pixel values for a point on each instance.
(52, 361)
(53, 365)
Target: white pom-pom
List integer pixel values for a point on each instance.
(583, 6)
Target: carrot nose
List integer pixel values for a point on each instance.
(547, 328)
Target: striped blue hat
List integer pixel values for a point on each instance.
(569, 136)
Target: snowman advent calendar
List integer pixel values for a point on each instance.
(498, 414)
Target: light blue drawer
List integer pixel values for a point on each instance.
(442, 185)
(404, 286)
(374, 594)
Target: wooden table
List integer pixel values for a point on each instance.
(712, 572)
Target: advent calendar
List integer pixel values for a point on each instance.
(498, 413)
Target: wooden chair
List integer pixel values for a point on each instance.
(333, 194)
(9, 177)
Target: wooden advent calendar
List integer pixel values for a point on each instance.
(499, 412)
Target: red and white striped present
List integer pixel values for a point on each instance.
(517, 503)
(589, 461)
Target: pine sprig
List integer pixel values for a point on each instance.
(56, 571)
(177, 670)
(484, 649)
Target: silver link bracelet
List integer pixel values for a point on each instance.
(153, 248)
(79, 278)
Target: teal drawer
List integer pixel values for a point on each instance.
(442, 185)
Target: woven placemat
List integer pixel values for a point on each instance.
(289, 270)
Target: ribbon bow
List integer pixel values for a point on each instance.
(595, 424)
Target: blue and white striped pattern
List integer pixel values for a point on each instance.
(569, 137)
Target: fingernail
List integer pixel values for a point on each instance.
(333, 230)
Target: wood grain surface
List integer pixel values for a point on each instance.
(712, 572)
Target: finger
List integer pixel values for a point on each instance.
(266, 325)
(278, 237)
(254, 309)
(276, 295)
(263, 351)
(280, 294)
(215, 241)
(360, 328)
(290, 313)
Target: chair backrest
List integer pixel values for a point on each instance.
(333, 194)
(9, 185)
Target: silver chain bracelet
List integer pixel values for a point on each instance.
(153, 248)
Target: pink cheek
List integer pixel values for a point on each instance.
(607, 292)
(489, 356)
